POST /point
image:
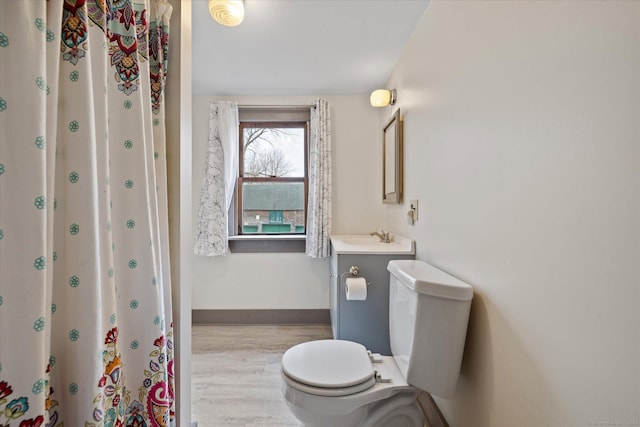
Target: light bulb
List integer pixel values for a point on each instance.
(383, 97)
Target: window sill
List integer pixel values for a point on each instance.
(267, 243)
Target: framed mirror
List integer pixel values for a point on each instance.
(392, 160)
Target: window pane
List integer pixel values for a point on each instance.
(273, 152)
(272, 207)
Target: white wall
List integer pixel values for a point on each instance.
(293, 280)
(178, 118)
(522, 144)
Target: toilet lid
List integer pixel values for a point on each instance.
(328, 363)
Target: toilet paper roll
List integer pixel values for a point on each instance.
(356, 288)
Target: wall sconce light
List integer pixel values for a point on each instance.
(383, 97)
(227, 12)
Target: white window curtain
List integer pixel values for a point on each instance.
(85, 300)
(218, 182)
(319, 205)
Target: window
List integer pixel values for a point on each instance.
(272, 183)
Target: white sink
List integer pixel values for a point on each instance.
(364, 244)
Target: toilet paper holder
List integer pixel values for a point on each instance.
(353, 271)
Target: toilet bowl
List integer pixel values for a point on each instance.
(337, 383)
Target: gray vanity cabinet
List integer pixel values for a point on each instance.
(367, 321)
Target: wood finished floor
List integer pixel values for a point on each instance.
(236, 373)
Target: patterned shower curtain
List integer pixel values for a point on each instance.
(85, 304)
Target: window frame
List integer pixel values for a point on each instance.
(297, 124)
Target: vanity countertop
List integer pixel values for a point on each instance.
(364, 244)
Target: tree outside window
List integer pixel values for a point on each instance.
(272, 183)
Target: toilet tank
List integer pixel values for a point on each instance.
(428, 317)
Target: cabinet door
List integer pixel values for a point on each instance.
(334, 288)
(366, 322)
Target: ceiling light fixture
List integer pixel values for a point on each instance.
(383, 97)
(227, 12)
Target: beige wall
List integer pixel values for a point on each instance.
(178, 121)
(522, 144)
(293, 280)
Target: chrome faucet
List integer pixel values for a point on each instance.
(384, 236)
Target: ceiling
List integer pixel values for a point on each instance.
(302, 47)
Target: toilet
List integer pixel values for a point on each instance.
(338, 383)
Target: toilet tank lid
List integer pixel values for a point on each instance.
(427, 279)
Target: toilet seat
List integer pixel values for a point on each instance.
(328, 368)
(328, 392)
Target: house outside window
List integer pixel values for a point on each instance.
(272, 184)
